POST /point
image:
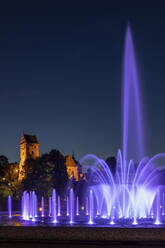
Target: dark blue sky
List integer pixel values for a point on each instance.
(61, 74)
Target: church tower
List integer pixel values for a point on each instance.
(71, 167)
(29, 149)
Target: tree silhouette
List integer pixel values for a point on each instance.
(46, 173)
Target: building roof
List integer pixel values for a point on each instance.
(69, 162)
(29, 138)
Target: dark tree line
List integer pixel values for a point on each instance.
(9, 184)
(45, 173)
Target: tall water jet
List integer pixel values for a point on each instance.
(33, 206)
(163, 203)
(42, 207)
(91, 207)
(133, 136)
(71, 198)
(59, 206)
(54, 214)
(25, 206)
(157, 221)
(30, 204)
(77, 206)
(9, 206)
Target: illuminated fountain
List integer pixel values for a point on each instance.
(29, 208)
(131, 195)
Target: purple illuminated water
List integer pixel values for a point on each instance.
(133, 135)
(29, 209)
(91, 208)
(157, 221)
(54, 213)
(30, 204)
(59, 206)
(9, 206)
(71, 198)
(42, 207)
(77, 206)
(33, 200)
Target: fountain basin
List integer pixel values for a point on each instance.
(80, 234)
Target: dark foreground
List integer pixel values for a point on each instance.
(20, 236)
(80, 245)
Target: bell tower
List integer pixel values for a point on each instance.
(29, 149)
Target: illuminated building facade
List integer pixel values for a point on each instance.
(72, 168)
(29, 149)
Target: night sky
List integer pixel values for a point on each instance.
(61, 74)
